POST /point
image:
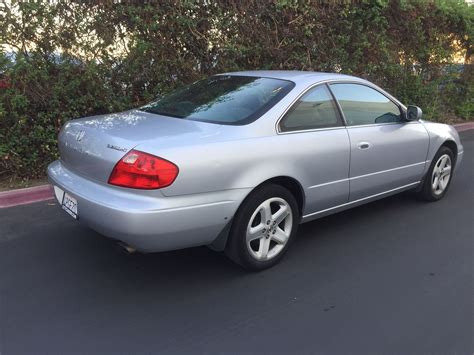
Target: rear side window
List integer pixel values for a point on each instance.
(223, 99)
(363, 105)
(315, 109)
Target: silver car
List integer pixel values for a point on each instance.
(237, 161)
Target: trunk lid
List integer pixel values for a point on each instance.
(92, 146)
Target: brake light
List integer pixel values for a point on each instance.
(139, 170)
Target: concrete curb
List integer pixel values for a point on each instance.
(461, 127)
(25, 196)
(45, 192)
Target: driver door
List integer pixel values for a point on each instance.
(387, 153)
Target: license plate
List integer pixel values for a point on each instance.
(69, 205)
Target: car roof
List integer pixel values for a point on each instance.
(293, 75)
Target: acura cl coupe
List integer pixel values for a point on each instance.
(237, 161)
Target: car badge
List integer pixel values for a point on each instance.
(116, 147)
(80, 135)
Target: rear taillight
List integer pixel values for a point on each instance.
(139, 170)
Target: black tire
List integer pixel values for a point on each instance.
(427, 192)
(236, 248)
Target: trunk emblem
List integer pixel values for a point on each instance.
(116, 147)
(80, 134)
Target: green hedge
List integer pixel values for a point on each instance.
(68, 59)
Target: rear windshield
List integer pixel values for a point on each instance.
(223, 99)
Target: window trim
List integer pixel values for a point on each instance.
(341, 122)
(344, 126)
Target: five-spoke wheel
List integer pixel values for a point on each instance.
(439, 175)
(263, 227)
(269, 228)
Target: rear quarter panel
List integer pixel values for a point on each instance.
(311, 158)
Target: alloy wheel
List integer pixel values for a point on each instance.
(441, 174)
(269, 228)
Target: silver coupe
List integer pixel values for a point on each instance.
(237, 161)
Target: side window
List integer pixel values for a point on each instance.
(315, 109)
(363, 105)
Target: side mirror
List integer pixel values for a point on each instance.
(414, 113)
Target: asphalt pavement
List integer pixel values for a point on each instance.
(392, 277)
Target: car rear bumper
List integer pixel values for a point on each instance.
(147, 220)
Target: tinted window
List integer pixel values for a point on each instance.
(315, 109)
(363, 105)
(223, 99)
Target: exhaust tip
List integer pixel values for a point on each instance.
(127, 248)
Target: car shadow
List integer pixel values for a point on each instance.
(88, 251)
(209, 266)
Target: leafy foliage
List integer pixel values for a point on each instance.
(67, 59)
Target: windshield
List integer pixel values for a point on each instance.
(223, 99)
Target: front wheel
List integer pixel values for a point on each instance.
(263, 227)
(438, 177)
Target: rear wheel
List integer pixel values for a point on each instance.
(439, 175)
(263, 227)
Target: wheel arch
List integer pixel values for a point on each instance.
(290, 183)
(449, 143)
(293, 185)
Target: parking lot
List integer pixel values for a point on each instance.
(394, 276)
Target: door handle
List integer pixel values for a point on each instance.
(363, 145)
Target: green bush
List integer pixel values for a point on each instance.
(67, 59)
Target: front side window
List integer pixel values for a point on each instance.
(363, 105)
(223, 99)
(315, 109)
